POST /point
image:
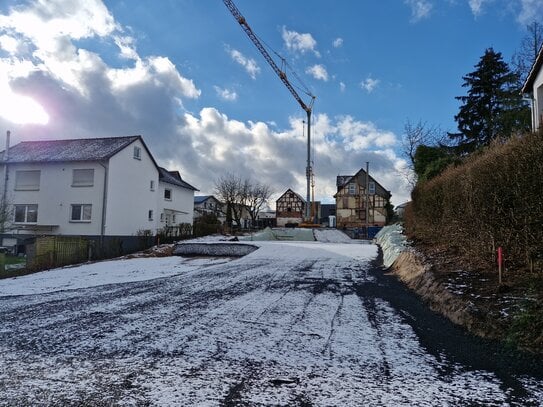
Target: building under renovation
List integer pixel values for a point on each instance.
(359, 205)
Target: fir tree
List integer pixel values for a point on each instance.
(493, 106)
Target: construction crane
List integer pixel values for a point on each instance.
(283, 76)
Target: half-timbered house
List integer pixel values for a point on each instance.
(352, 201)
(290, 209)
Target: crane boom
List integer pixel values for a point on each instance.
(252, 36)
(283, 76)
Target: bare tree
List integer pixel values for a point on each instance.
(530, 45)
(258, 196)
(6, 213)
(241, 194)
(228, 189)
(415, 135)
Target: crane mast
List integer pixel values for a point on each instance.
(283, 76)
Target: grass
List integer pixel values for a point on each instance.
(14, 260)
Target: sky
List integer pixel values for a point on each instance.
(185, 76)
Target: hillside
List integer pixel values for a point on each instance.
(459, 219)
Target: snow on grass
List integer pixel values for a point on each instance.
(292, 323)
(102, 273)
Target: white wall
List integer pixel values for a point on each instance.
(538, 95)
(129, 195)
(182, 201)
(56, 195)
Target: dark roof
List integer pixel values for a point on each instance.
(95, 149)
(343, 180)
(198, 199)
(529, 83)
(174, 178)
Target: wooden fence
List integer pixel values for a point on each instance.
(56, 251)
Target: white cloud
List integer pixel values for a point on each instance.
(342, 86)
(85, 96)
(226, 94)
(531, 10)
(338, 42)
(303, 43)
(318, 72)
(8, 44)
(47, 22)
(249, 64)
(218, 144)
(369, 84)
(420, 9)
(476, 6)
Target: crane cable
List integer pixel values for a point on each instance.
(302, 87)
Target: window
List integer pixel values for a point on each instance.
(352, 189)
(150, 214)
(173, 218)
(371, 188)
(83, 178)
(81, 213)
(152, 185)
(168, 194)
(26, 213)
(137, 153)
(27, 180)
(162, 217)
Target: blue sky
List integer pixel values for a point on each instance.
(184, 75)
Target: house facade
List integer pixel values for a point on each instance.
(534, 88)
(207, 205)
(352, 201)
(89, 187)
(289, 208)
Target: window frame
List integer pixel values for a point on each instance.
(150, 215)
(83, 183)
(137, 153)
(170, 192)
(26, 213)
(152, 185)
(26, 187)
(82, 208)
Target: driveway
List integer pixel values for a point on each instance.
(291, 324)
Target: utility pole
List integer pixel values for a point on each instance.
(367, 198)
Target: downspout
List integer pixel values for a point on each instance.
(6, 177)
(4, 202)
(104, 206)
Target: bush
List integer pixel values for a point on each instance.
(206, 224)
(493, 199)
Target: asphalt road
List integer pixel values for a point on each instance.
(292, 324)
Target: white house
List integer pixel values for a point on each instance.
(534, 88)
(208, 204)
(90, 187)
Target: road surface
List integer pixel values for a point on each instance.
(291, 324)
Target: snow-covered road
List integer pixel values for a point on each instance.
(297, 323)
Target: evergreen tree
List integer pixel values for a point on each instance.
(493, 106)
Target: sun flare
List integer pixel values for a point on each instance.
(22, 109)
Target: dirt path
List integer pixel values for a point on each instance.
(307, 324)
